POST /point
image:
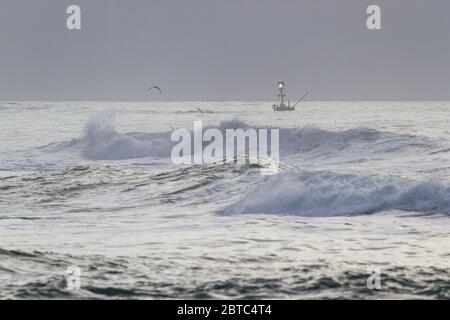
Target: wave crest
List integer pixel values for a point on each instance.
(102, 142)
(322, 193)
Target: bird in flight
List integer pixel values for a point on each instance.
(156, 88)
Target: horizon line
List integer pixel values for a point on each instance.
(222, 100)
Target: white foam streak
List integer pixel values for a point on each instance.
(318, 193)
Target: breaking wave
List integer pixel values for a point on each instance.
(323, 193)
(316, 143)
(101, 141)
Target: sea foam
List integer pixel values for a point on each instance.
(324, 193)
(102, 141)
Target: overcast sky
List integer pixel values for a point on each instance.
(224, 50)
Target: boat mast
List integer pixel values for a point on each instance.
(281, 94)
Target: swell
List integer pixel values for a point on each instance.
(101, 141)
(84, 185)
(312, 146)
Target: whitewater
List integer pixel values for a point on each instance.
(92, 185)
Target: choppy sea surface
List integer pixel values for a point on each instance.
(363, 186)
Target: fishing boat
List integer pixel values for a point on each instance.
(281, 106)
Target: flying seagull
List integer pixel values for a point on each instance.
(156, 88)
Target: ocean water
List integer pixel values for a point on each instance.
(363, 186)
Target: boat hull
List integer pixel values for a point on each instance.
(282, 108)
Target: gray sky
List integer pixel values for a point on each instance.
(224, 50)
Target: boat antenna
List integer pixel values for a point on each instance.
(301, 99)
